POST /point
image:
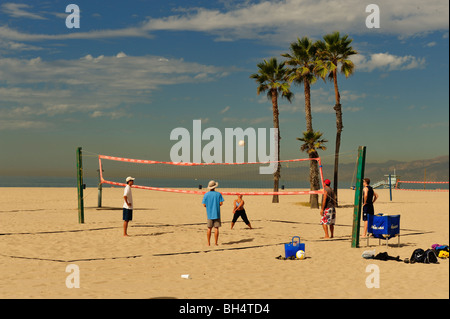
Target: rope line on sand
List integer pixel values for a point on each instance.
(72, 260)
(215, 250)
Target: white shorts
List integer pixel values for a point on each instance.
(329, 217)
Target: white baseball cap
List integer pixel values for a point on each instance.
(129, 178)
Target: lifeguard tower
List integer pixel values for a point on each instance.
(389, 180)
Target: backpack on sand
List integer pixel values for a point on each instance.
(430, 257)
(418, 256)
(421, 256)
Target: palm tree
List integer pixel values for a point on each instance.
(305, 69)
(271, 78)
(333, 51)
(312, 142)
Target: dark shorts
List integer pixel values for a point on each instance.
(216, 223)
(367, 210)
(127, 214)
(242, 214)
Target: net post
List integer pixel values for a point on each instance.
(425, 178)
(80, 186)
(100, 182)
(100, 188)
(319, 161)
(390, 188)
(358, 196)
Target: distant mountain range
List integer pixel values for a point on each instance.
(435, 169)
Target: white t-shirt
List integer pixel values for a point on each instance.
(127, 193)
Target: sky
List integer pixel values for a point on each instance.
(135, 70)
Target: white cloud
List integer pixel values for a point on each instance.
(113, 115)
(8, 125)
(7, 46)
(226, 109)
(387, 62)
(272, 19)
(347, 95)
(130, 73)
(352, 109)
(247, 121)
(96, 86)
(18, 10)
(11, 34)
(323, 101)
(434, 125)
(275, 21)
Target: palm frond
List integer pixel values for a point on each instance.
(272, 75)
(312, 141)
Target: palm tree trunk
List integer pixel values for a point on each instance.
(308, 115)
(314, 181)
(339, 128)
(276, 175)
(313, 168)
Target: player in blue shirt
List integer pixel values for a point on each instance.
(212, 200)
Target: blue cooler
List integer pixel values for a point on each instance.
(290, 249)
(384, 226)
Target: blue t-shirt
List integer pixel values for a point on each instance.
(212, 200)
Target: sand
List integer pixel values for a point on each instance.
(40, 237)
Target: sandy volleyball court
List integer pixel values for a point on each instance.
(40, 236)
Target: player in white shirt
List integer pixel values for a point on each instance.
(127, 204)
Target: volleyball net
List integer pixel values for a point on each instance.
(429, 186)
(192, 178)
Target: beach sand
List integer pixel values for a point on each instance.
(40, 236)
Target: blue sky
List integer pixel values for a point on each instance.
(135, 70)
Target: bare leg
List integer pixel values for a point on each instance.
(332, 231)
(232, 225)
(125, 226)
(208, 236)
(365, 229)
(325, 229)
(216, 235)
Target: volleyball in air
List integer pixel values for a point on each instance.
(241, 143)
(300, 254)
